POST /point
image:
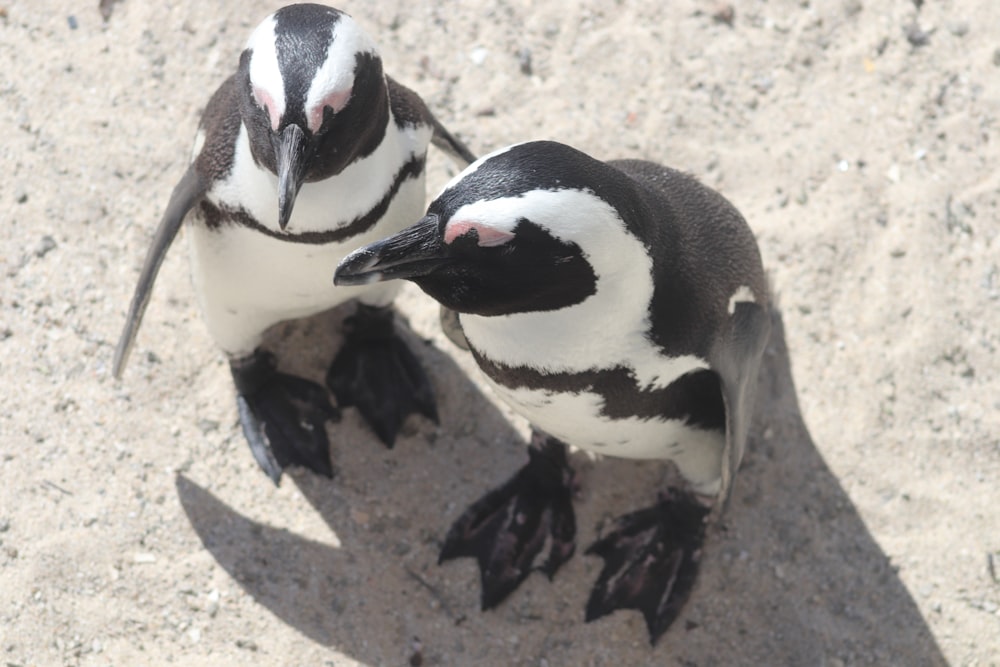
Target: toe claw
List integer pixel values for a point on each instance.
(260, 447)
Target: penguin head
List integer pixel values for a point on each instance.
(313, 96)
(526, 229)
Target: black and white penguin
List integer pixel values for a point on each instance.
(307, 152)
(620, 307)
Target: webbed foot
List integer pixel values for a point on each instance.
(376, 372)
(650, 561)
(283, 417)
(506, 529)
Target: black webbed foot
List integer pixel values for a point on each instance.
(283, 417)
(508, 527)
(650, 561)
(378, 374)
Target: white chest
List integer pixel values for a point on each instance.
(248, 281)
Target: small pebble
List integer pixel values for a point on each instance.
(206, 426)
(478, 55)
(996, 56)
(417, 653)
(71, 20)
(248, 644)
(45, 246)
(20, 195)
(959, 28)
(762, 84)
(524, 61)
(917, 36)
(105, 7)
(725, 14)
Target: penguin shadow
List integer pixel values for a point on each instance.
(376, 585)
(791, 577)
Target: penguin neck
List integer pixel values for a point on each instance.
(328, 204)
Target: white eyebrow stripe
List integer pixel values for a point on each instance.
(264, 71)
(335, 77)
(743, 294)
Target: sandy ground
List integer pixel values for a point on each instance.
(858, 137)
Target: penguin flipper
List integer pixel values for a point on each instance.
(650, 561)
(507, 528)
(407, 107)
(737, 361)
(186, 193)
(376, 372)
(450, 144)
(283, 417)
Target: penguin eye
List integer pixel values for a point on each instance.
(336, 101)
(266, 102)
(487, 237)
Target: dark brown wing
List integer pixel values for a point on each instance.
(409, 109)
(220, 124)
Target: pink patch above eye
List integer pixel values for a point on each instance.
(336, 100)
(488, 236)
(267, 102)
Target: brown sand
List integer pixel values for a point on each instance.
(136, 528)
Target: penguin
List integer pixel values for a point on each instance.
(307, 152)
(621, 307)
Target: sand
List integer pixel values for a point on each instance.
(858, 138)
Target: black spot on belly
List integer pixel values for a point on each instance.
(694, 398)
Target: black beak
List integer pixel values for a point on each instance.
(416, 251)
(291, 170)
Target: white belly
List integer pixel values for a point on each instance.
(576, 419)
(248, 281)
